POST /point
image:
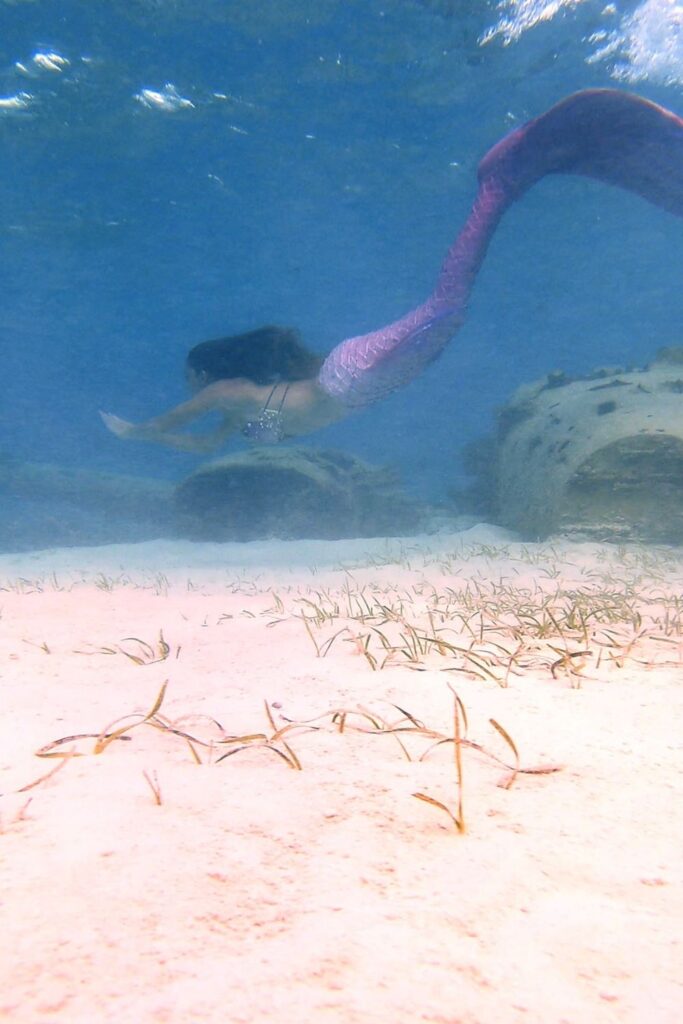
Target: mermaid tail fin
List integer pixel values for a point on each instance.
(605, 134)
(611, 136)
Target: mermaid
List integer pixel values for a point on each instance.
(605, 134)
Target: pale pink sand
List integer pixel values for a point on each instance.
(259, 893)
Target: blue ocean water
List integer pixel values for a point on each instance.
(178, 170)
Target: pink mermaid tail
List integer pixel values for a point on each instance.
(604, 134)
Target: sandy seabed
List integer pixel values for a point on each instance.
(147, 877)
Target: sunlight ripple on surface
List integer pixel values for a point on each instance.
(16, 104)
(645, 44)
(167, 99)
(523, 15)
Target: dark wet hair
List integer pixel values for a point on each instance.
(264, 356)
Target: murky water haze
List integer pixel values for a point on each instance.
(177, 171)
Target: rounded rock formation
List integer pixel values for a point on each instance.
(601, 457)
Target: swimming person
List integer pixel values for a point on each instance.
(605, 134)
(262, 383)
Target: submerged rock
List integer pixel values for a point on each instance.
(600, 457)
(291, 493)
(288, 493)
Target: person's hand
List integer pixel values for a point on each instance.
(122, 428)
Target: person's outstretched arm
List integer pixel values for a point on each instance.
(300, 407)
(201, 444)
(163, 429)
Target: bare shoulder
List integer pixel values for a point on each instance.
(232, 394)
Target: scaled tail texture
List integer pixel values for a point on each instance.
(605, 134)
